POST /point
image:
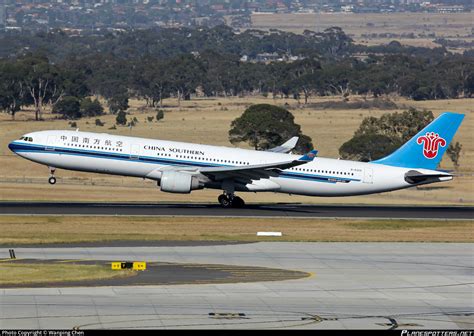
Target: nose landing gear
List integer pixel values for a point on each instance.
(230, 201)
(52, 179)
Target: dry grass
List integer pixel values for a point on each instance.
(416, 42)
(442, 24)
(454, 25)
(48, 229)
(208, 121)
(34, 273)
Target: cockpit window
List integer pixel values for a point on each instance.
(30, 139)
(22, 138)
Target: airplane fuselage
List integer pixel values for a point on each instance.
(148, 158)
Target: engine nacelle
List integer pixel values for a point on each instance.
(177, 182)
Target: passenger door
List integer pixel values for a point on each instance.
(134, 152)
(51, 142)
(368, 176)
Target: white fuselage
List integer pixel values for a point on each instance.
(146, 158)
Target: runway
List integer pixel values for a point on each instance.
(353, 285)
(251, 210)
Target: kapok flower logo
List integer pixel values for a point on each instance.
(431, 142)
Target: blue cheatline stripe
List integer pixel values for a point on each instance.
(24, 148)
(31, 148)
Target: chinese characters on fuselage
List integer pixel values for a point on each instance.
(92, 141)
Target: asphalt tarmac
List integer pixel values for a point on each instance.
(353, 285)
(252, 210)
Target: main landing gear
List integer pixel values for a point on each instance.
(231, 201)
(52, 179)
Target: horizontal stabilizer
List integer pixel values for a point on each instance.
(415, 177)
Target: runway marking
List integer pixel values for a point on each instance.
(228, 316)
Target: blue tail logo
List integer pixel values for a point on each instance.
(426, 149)
(309, 156)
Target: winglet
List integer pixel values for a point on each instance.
(286, 147)
(309, 156)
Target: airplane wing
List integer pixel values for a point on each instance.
(254, 172)
(286, 147)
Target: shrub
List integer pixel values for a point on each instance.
(160, 115)
(91, 108)
(121, 118)
(68, 107)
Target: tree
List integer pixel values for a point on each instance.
(42, 81)
(454, 153)
(422, 93)
(335, 42)
(264, 126)
(151, 82)
(121, 118)
(185, 74)
(367, 147)
(12, 90)
(118, 103)
(68, 107)
(304, 76)
(402, 125)
(91, 108)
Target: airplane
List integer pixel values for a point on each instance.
(180, 167)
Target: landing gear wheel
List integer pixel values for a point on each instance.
(237, 202)
(224, 201)
(52, 180)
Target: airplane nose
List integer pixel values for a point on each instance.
(11, 146)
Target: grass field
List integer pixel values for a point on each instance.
(38, 273)
(453, 25)
(59, 229)
(208, 121)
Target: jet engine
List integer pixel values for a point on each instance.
(180, 183)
